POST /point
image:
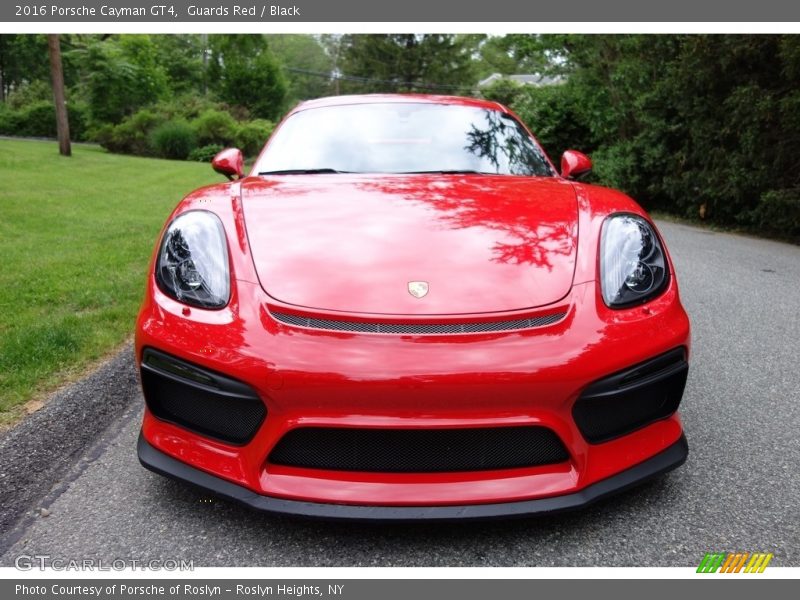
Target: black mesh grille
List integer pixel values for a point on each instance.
(200, 400)
(633, 398)
(418, 450)
(418, 328)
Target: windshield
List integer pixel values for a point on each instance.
(403, 138)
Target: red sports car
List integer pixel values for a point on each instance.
(405, 312)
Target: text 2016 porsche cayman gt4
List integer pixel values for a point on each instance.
(405, 312)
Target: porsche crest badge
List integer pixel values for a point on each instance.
(418, 289)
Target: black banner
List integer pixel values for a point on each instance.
(386, 589)
(443, 11)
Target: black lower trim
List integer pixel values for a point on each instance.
(633, 398)
(418, 450)
(200, 400)
(668, 459)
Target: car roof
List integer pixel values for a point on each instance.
(398, 98)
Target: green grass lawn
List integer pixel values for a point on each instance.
(75, 238)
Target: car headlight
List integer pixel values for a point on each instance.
(192, 264)
(632, 263)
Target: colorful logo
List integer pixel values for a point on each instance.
(734, 562)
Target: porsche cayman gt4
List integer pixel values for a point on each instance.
(404, 311)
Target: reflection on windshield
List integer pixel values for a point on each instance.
(403, 138)
(499, 141)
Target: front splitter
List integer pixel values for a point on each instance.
(670, 458)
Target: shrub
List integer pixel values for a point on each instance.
(205, 153)
(8, 120)
(251, 136)
(187, 107)
(619, 166)
(553, 115)
(29, 93)
(103, 135)
(39, 120)
(173, 139)
(78, 113)
(132, 136)
(778, 211)
(505, 91)
(215, 127)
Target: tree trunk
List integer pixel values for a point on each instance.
(57, 75)
(2, 69)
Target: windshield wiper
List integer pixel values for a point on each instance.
(301, 172)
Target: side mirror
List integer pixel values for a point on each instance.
(229, 162)
(575, 164)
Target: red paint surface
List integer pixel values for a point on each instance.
(483, 243)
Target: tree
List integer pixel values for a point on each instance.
(181, 56)
(307, 66)
(122, 75)
(491, 55)
(698, 125)
(59, 97)
(21, 61)
(544, 54)
(243, 71)
(407, 62)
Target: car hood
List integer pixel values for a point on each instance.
(354, 243)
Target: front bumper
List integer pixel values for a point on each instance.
(671, 458)
(322, 379)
